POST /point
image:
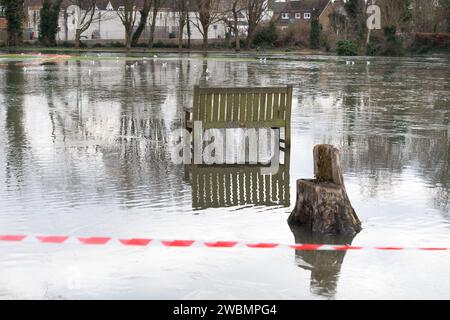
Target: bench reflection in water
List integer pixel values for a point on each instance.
(216, 186)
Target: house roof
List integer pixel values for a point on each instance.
(299, 5)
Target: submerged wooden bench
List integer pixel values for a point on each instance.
(260, 107)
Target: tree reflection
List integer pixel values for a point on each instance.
(14, 95)
(325, 266)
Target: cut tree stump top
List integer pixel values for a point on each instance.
(327, 164)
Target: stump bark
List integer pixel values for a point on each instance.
(322, 203)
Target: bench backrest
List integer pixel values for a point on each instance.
(268, 107)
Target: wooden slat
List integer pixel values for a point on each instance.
(215, 111)
(236, 102)
(200, 115)
(229, 107)
(281, 112)
(262, 108)
(208, 103)
(249, 109)
(269, 109)
(256, 106)
(276, 106)
(223, 98)
(243, 90)
(242, 107)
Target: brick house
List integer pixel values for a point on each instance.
(289, 12)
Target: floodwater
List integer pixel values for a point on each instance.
(85, 150)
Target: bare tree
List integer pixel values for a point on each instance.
(183, 17)
(82, 13)
(256, 9)
(142, 22)
(237, 6)
(207, 14)
(156, 7)
(127, 14)
(395, 13)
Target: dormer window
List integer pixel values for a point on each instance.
(298, 15)
(285, 15)
(109, 7)
(307, 16)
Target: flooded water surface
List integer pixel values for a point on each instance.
(86, 150)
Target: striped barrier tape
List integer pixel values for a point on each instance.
(147, 242)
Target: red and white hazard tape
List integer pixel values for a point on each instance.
(142, 242)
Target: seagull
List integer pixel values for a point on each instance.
(353, 62)
(347, 62)
(368, 62)
(164, 65)
(155, 56)
(207, 71)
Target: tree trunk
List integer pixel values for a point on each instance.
(140, 28)
(205, 39)
(236, 34)
(322, 204)
(128, 41)
(188, 26)
(77, 39)
(180, 39)
(152, 30)
(249, 38)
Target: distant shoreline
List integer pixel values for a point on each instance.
(138, 50)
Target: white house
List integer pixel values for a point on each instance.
(108, 26)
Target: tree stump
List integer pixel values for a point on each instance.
(322, 203)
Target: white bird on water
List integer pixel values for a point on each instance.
(207, 71)
(164, 65)
(155, 56)
(368, 62)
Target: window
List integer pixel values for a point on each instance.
(298, 15)
(2, 12)
(285, 15)
(307, 15)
